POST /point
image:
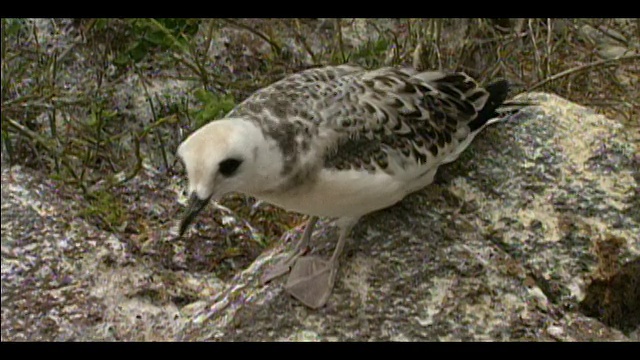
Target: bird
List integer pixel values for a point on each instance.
(339, 142)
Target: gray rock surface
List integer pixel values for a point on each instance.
(535, 227)
(609, 42)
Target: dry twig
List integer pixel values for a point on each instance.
(584, 67)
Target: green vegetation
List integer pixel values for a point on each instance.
(211, 106)
(107, 209)
(153, 35)
(87, 100)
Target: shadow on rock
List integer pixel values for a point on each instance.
(616, 300)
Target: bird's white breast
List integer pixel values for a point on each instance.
(347, 193)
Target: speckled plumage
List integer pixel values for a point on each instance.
(339, 142)
(371, 117)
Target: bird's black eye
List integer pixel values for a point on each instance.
(229, 166)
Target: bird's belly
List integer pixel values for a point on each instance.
(334, 193)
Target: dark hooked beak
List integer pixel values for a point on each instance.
(194, 207)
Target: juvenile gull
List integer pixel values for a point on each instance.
(338, 141)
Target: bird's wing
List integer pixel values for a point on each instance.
(391, 119)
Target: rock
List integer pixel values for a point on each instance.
(506, 25)
(612, 51)
(609, 42)
(504, 248)
(602, 35)
(531, 235)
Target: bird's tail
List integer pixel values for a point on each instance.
(498, 92)
(497, 106)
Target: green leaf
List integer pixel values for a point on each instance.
(139, 51)
(214, 107)
(14, 26)
(122, 59)
(157, 38)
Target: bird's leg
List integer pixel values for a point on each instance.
(312, 278)
(284, 266)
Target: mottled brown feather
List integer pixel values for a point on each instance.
(371, 118)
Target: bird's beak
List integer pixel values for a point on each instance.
(194, 207)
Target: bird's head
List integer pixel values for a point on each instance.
(219, 158)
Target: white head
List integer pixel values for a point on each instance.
(222, 157)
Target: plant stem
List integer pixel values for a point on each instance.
(582, 68)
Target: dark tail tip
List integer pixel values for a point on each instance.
(498, 93)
